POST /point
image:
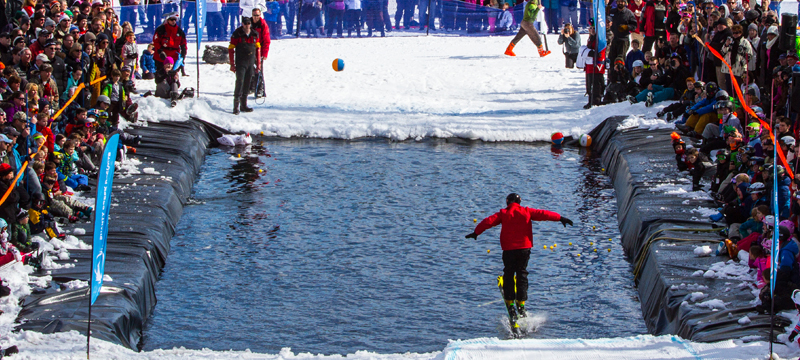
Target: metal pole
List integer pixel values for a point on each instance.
(89, 323)
(197, 48)
(427, 20)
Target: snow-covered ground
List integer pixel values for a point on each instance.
(401, 88)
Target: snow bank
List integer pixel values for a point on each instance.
(704, 250)
(402, 88)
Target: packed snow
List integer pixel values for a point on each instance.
(402, 88)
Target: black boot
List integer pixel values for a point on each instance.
(244, 105)
(235, 106)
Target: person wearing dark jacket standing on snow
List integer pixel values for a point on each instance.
(244, 51)
(516, 241)
(621, 21)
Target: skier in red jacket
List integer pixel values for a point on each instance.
(515, 239)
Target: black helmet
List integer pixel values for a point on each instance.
(712, 88)
(37, 197)
(513, 198)
(784, 233)
(749, 150)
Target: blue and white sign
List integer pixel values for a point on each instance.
(200, 22)
(773, 270)
(600, 24)
(102, 206)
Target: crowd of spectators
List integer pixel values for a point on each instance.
(674, 61)
(67, 73)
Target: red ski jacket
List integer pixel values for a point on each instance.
(516, 232)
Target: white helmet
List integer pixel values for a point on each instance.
(756, 188)
(638, 63)
(788, 140)
(796, 296)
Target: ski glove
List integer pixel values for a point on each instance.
(792, 335)
(565, 221)
(472, 236)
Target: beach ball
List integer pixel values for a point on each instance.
(338, 64)
(557, 138)
(586, 140)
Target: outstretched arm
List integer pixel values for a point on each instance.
(484, 225)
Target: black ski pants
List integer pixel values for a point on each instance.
(515, 262)
(244, 73)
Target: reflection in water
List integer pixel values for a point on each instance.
(334, 247)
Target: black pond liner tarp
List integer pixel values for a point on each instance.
(146, 210)
(636, 163)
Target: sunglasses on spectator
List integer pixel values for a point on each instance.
(737, 33)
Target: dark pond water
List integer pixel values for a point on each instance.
(335, 247)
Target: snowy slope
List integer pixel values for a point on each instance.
(401, 88)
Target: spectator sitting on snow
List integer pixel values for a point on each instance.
(68, 168)
(687, 99)
(620, 83)
(64, 206)
(760, 262)
(716, 135)
(752, 225)
(636, 73)
(41, 220)
(21, 233)
(701, 113)
(754, 138)
(667, 86)
(7, 250)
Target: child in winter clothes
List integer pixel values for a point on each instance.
(41, 220)
(68, 167)
(21, 233)
(7, 250)
(504, 19)
(129, 51)
(147, 63)
(61, 205)
(72, 84)
(116, 93)
(271, 17)
(760, 262)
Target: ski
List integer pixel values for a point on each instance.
(512, 313)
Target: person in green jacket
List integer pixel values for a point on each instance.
(526, 27)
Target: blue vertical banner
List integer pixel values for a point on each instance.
(773, 270)
(102, 206)
(200, 21)
(600, 24)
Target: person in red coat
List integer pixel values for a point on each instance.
(260, 27)
(516, 241)
(169, 40)
(595, 74)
